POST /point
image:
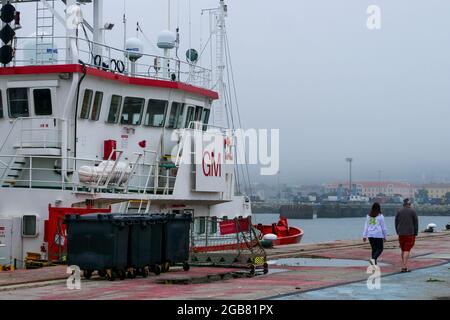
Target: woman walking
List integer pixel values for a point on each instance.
(375, 231)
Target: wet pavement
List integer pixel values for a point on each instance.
(423, 284)
(335, 266)
(319, 262)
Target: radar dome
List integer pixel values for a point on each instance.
(134, 48)
(167, 40)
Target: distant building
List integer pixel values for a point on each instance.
(373, 189)
(435, 190)
(307, 190)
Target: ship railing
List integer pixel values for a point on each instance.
(6, 139)
(109, 59)
(197, 129)
(210, 128)
(40, 132)
(153, 178)
(61, 173)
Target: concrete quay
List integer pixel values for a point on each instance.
(302, 271)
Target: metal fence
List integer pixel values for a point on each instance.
(227, 242)
(29, 51)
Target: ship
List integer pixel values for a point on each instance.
(279, 234)
(87, 127)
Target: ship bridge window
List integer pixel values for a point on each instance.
(42, 102)
(132, 111)
(205, 118)
(176, 116)
(189, 117)
(198, 113)
(156, 113)
(114, 109)
(214, 224)
(97, 106)
(86, 106)
(18, 102)
(201, 225)
(1, 105)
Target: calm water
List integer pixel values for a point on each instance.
(321, 230)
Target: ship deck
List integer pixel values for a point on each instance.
(297, 280)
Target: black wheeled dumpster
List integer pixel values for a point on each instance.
(98, 242)
(144, 244)
(175, 244)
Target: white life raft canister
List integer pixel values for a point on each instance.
(99, 174)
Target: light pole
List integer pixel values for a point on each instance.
(278, 185)
(379, 181)
(350, 160)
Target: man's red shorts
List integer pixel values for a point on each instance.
(406, 242)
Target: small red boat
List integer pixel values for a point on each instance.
(285, 234)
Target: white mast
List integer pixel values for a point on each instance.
(99, 31)
(220, 31)
(169, 14)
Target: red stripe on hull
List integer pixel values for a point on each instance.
(76, 68)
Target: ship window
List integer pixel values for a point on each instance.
(42, 102)
(86, 106)
(29, 226)
(1, 105)
(156, 113)
(213, 224)
(114, 109)
(189, 117)
(97, 106)
(176, 113)
(201, 226)
(132, 111)
(205, 119)
(18, 102)
(198, 113)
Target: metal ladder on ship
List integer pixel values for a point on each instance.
(45, 30)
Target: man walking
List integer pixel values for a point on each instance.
(407, 227)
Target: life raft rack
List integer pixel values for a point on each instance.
(107, 171)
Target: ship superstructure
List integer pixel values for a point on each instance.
(86, 125)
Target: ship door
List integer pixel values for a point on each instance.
(43, 130)
(5, 242)
(10, 242)
(41, 133)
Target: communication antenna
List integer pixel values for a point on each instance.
(220, 31)
(124, 26)
(190, 25)
(168, 18)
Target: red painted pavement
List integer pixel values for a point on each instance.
(283, 280)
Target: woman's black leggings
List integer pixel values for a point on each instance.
(377, 247)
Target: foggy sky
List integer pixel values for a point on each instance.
(333, 87)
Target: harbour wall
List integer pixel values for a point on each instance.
(340, 210)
